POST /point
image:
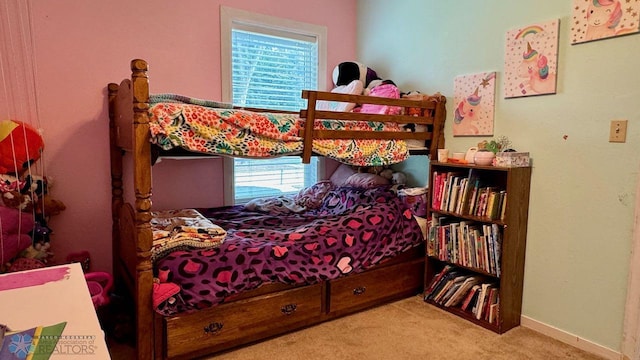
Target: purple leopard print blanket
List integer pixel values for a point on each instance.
(353, 230)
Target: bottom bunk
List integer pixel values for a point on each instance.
(276, 309)
(277, 269)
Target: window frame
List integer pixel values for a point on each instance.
(231, 18)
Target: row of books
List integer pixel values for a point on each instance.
(466, 195)
(474, 245)
(452, 287)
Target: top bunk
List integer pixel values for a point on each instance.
(177, 125)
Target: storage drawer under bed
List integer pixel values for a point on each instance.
(387, 283)
(243, 321)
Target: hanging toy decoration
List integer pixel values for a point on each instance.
(20, 146)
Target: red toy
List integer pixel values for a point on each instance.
(20, 146)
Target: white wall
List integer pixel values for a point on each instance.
(583, 187)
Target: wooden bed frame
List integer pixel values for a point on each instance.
(271, 309)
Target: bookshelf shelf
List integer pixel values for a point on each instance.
(476, 242)
(469, 217)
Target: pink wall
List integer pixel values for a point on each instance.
(82, 45)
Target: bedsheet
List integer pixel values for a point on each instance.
(353, 230)
(242, 133)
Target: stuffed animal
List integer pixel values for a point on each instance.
(345, 72)
(387, 89)
(29, 194)
(48, 206)
(399, 178)
(15, 229)
(16, 200)
(39, 251)
(20, 146)
(387, 174)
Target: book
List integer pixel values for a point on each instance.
(486, 246)
(493, 312)
(462, 291)
(451, 289)
(435, 184)
(432, 234)
(470, 297)
(491, 249)
(446, 190)
(452, 273)
(497, 247)
(481, 301)
(492, 299)
(453, 282)
(473, 198)
(492, 204)
(438, 278)
(504, 207)
(462, 196)
(477, 236)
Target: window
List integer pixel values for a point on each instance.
(261, 178)
(267, 62)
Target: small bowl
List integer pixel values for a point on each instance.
(457, 155)
(484, 158)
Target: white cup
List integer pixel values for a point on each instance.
(443, 155)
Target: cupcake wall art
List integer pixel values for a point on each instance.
(531, 59)
(601, 19)
(474, 98)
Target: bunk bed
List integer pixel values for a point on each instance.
(271, 307)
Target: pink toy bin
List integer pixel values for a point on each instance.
(99, 283)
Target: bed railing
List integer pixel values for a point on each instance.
(432, 114)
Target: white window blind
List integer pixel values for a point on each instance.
(263, 178)
(269, 69)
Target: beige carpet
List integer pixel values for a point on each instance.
(406, 329)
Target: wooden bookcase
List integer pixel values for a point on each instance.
(506, 272)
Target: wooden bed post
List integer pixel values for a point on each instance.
(142, 188)
(116, 176)
(437, 140)
(309, 124)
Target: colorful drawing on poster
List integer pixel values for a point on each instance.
(601, 19)
(474, 98)
(531, 58)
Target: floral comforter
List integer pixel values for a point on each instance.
(242, 133)
(353, 229)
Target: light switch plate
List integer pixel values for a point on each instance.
(618, 131)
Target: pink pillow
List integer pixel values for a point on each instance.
(341, 174)
(365, 180)
(353, 88)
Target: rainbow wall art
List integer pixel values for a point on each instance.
(531, 58)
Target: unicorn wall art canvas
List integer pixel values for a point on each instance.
(474, 99)
(601, 19)
(531, 59)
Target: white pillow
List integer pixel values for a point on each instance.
(353, 88)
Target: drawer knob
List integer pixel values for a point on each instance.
(289, 309)
(213, 328)
(359, 290)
